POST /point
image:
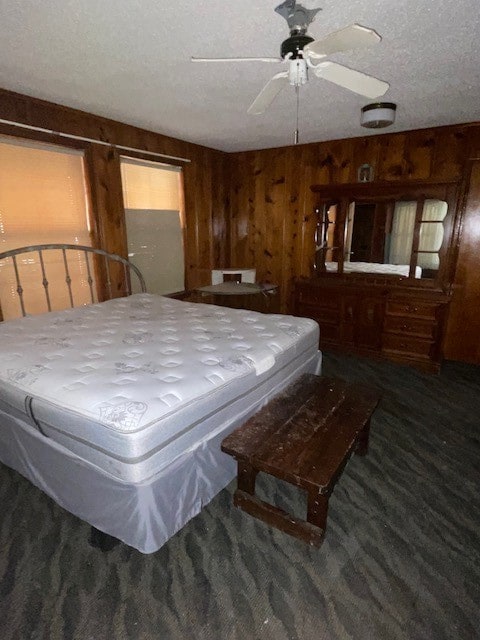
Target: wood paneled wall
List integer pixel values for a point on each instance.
(255, 209)
(463, 330)
(204, 180)
(271, 207)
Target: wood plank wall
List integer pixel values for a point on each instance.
(463, 330)
(271, 207)
(204, 181)
(255, 209)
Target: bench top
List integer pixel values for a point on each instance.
(306, 434)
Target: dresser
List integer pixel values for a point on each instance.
(375, 319)
(384, 263)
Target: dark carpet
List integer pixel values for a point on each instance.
(400, 558)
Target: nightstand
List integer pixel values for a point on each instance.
(239, 295)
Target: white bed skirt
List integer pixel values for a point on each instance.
(143, 515)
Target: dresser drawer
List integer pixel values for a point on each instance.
(410, 326)
(405, 307)
(407, 345)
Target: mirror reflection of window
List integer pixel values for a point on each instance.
(431, 233)
(401, 237)
(380, 236)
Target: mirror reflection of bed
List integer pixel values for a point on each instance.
(379, 237)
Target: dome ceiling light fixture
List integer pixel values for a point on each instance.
(378, 115)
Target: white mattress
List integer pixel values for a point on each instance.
(130, 384)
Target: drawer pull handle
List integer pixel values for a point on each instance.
(411, 309)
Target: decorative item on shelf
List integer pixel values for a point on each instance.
(378, 115)
(365, 173)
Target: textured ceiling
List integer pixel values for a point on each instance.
(130, 60)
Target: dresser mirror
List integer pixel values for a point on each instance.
(385, 229)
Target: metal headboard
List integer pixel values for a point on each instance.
(128, 267)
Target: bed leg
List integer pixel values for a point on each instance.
(101, 540)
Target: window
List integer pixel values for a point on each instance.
(42, 200)
(153, 199)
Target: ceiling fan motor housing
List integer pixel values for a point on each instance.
(294, 45)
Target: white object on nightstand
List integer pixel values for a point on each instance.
(245, 275)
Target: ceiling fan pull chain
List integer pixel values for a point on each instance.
(297, 91)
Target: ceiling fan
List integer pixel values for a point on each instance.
(300, 52)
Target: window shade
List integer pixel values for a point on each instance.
(150, 185)
(42, 200)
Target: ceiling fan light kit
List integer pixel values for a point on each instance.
(378, 115)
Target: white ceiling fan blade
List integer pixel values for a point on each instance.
(266, 59)
(355, 81)
(353, 37)
(268, 93)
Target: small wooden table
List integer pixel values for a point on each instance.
(259, 297)
(304, 436)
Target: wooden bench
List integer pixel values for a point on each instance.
(304, 436)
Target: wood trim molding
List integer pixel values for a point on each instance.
(364, 190)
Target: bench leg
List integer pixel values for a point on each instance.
(362, 440)
(311, 530)
(246, 477)
(317, 509)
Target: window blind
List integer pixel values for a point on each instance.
(151, 185)
(42, 200)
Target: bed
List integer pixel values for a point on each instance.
(117, 409)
